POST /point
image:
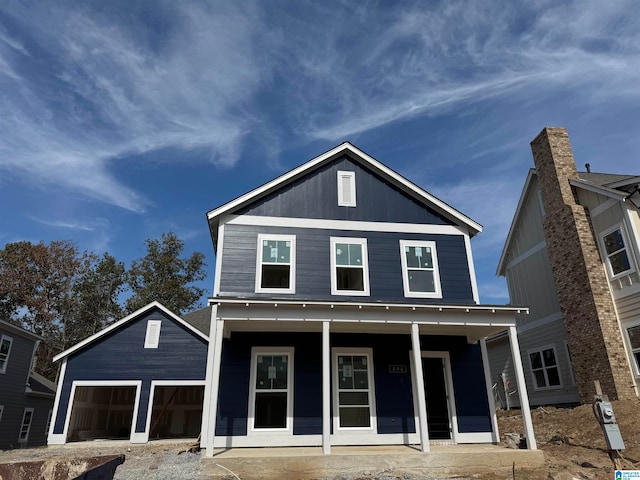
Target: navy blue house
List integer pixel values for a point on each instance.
(140, 378)
(345, 311)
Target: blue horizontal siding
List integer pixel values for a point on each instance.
(393, 391)
(313, 264)
(315, 195)
(120, 355)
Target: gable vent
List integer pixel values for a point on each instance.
(346, 189)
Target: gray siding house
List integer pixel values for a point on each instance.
(26, 398)
(572, 255)
(345, 312)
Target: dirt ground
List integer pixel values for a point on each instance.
(573, 442)
(570, 438)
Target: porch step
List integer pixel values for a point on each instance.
(306, 463)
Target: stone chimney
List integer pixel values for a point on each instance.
(587, 307)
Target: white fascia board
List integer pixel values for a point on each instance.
(607, 192)
(399, 180)
(124, 321)
(500, 272)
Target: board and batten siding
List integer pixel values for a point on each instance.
(120, 355)
(531, 283)
(529, 232)
(313, 263)
(315, 195)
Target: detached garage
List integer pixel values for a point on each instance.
(141, 378)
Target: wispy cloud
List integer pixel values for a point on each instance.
(90, 226)
(109, 84)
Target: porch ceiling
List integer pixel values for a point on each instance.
(472, 321)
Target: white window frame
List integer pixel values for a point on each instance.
(368, 353)
(437, 293)
(3, 369)
(152, 337)
(25, 440)
(292, 263)
(627, 250)
(255, 351)
(351, 178)
(632, 351)
(48, 426)
(365, 267)
(544, 368)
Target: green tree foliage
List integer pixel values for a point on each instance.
(163, 275)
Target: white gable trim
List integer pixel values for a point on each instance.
(607, 192)
(516, 217)
(124, 321)
(259, 221)
(398, 179)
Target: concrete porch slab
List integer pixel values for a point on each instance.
(309, 462)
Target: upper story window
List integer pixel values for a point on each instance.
(615, 251)
(349, 266)
(420, 276)
(346, 189)
(5, 350)
(152, 338)
(544, 368)
(276, 264)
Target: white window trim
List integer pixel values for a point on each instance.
(534, 384)
(337, 429)
(365, 267)
(632, 359)
(351, 176)
(6, 362)
(405, 270)
(627, 249)
(25, 440)
(292, 264)
(151, 340)
(255, 351)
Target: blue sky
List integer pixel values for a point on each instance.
(122, 120)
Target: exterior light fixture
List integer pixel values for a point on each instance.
(634, 196)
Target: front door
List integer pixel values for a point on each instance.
(435, 389)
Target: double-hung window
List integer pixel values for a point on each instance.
(353, 390)
(276, 264)
(271, 402)
(615, 250)
(420, 276)
(27, 417)
(349, 266)
(544, 367)
(5, 350)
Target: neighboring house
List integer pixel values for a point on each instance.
(140, 378)
(345, 311)
(26, 398)
(572, 255)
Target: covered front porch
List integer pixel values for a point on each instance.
(423, 331)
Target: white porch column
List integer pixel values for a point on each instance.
(326, 389)
(495, 434)
(204, 429)
(419, 386)
(522, 389)
(214, 382)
